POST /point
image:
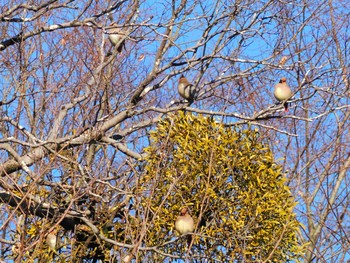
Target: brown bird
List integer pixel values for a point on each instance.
(184, 224)
(186, 89)
(283, 92)
(51, 240)
(283, 60)
(117, 37)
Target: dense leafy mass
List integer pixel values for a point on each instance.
(235, 191)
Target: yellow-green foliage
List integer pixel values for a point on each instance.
(229, 180)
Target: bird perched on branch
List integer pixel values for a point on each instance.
(283, 60)
(283, 92)
(184, 224)
(116, 36)
(186, 89)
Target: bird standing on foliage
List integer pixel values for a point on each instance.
(283, 92)
(184, 224)
(51, 240)
(186, 89)
(117, 37)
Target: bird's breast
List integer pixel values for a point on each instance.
(114, 38)
(184, 226)
(282, 94)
